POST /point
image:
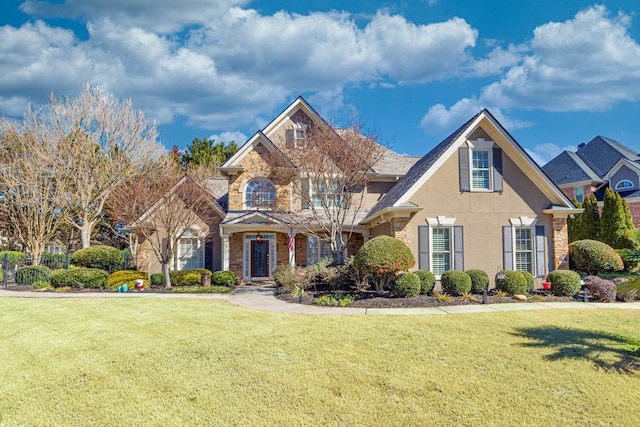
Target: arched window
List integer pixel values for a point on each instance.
(260, 193)
(624, 185)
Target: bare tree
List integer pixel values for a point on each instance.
(100, 142)
(159, 206)
(331, 169)
(31, 191)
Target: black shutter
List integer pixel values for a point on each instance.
(497, 170)
(304, 197)
(507, 246)
(540, 251)
(463, 160)
(289, 136)
(424, 257)
(458, 248)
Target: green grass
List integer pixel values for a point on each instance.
(204, 362)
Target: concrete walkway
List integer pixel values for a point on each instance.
(262, 298)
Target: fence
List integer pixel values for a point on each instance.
(13, 273)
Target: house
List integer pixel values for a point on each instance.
(597, 165)
(476, 200)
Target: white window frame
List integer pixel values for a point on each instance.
(300, 135)
(320, 247)
(191, 234)
(441, 222)
(619, 185)
(263, 206)
(578, 193)
(326, 182)
(481, 145)
(519, 224)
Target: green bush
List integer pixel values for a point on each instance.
(335, 300)
(41, 284)
(594, 257)
(30, 274)
(564, 282)
(79, 277)
(13, 257)
(126, 277)
(188, 277)
(383, 257)
(479, 280)
(406, 285)
(286, 277)
(201, 290)
(157, 279)
(455, 283)
(630, 258)
(99, 256)
(531, 281)
(511, 282)
(54, 261)
(427, 281)
(223, 278)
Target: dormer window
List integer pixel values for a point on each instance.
(625, 184)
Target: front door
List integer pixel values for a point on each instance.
(259, 258)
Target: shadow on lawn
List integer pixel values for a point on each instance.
(605, 350)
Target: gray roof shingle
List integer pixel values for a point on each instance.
(567, 167)
(601, 154)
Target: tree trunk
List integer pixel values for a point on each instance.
(165, 273)
(85, 234)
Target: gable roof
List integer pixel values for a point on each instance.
(417, 176)
(259, 138)
(602, 153)
(567, 167)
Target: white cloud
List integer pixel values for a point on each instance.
(543, 153)
(227, 137)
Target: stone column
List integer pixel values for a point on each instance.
(400, 229)
(560, 243)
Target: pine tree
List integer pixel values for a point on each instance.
(616, 226)
(589, 221)
(574, 224)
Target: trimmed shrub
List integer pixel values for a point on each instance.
(30, 274)
(479, 280)
(41, 284)
(427, 281)
(14, 257)
(601, 289)
(531, 281)
(126, 277)
(406, 285)
(157, 279)
(630, 258)
(223, 278)
(455, 282)
(511, 282)
(77, 277)
(564, 282)
(99, 256)
(188, 277)
(383, 257)
(594, 257)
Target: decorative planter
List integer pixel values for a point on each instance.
(546, 285)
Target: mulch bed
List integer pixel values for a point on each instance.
(371, 299)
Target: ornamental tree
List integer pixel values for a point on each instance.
(383, 257)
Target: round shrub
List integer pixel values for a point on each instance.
(601, 289)
(223, 278)
(383, 257)
(511, 282)
(30, 274)
(188, 277)
(564, 282)
(157, 279)
(126, 277)
(427, 281)
(479, 280)
(99, 256)
(594, 257)
(531, 281)
(79, 277)
(41, 284)
(455, 282)
(406, 285)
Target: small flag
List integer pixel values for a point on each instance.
(292, 241)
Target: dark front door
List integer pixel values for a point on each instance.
(259, 258)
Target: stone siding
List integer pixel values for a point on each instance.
(560, 244)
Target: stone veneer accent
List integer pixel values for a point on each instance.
(235, 253)
(401, 230)
(560, 243)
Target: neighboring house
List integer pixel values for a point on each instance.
(477, 200)
(597, 165)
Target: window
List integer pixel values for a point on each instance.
(578, 193)
(524, 249)
(480, 169)
(441, 253)
(325, 192)
(260, 193)
(624, 185)
(317, 249)
(190, 252)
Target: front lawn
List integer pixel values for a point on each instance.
(202, 362)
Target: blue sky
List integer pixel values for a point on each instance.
(555, 73)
